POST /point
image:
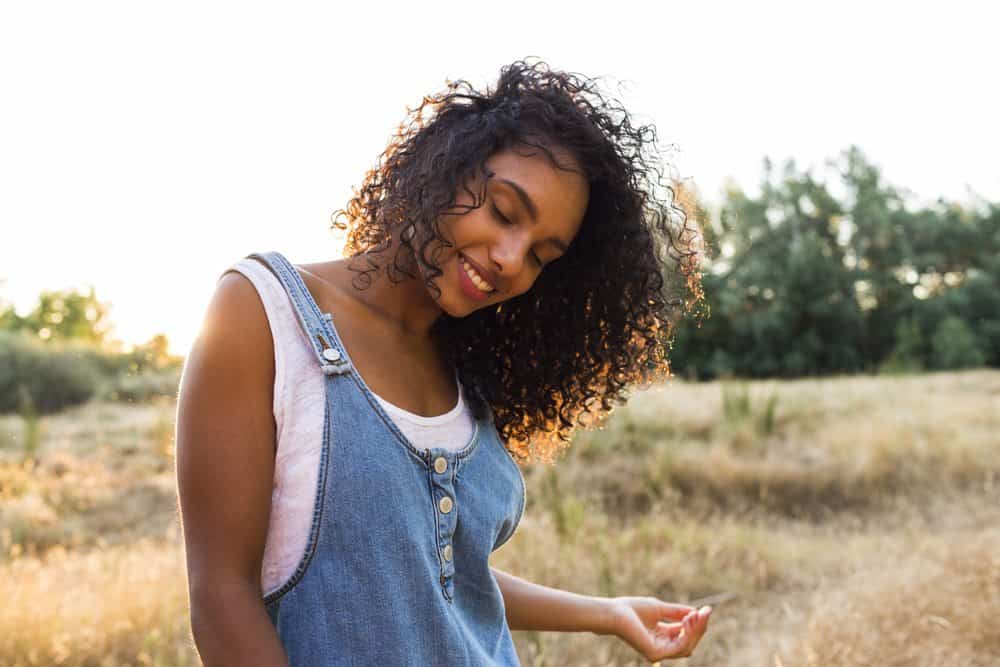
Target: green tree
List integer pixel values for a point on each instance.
(803, 282)
(879, 251)
(780, 283)
(69, 315)
(10, 320)
(153, 355)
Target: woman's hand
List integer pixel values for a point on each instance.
(659, 630)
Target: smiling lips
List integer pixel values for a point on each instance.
(481, 284)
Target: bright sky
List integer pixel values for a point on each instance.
(145, 147)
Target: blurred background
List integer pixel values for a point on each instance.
(821, 467)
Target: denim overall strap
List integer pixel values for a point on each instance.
(328, 354)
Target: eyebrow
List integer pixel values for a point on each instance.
(532, 209)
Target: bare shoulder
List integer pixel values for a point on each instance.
(330, 284)
(236, 301)
(228, 376)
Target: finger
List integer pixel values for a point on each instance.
(690, 623)
(676, 611)
(676, 646)
(702, 620)
(694, 630)
(699, 624)
(696, 619)
(669, 629)
(671, 641)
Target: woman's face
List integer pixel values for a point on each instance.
(530, 214)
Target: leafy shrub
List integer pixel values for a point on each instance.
(955, 345)
(907, 355)
(43, 377)
(140, 387)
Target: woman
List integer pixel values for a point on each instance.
(509, 273)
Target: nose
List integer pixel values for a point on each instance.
(509, 254)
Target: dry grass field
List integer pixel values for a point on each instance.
(833, 522)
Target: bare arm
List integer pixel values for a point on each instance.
(535, 607)
(658, 630)
(225, 471)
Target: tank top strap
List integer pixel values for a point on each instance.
(326, 346)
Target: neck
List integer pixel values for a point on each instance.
(406, 305)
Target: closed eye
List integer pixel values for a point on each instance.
(505, 221)
(500, 215)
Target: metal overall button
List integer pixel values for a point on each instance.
(446, 552)
(445, 505)
(440, 464)
(331, 354)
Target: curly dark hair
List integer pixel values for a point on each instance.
(598, 320)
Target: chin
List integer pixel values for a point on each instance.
(452, 301)
(461, 307)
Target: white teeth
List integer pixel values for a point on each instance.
(475, 277)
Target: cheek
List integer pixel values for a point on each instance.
(461, 229)
(447, 244)
(522, 286)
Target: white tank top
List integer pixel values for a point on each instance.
(299, 400)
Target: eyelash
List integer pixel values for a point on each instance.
(500, 215)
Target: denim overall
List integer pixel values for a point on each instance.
(395, 570)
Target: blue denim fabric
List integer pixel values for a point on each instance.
(374, 586)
